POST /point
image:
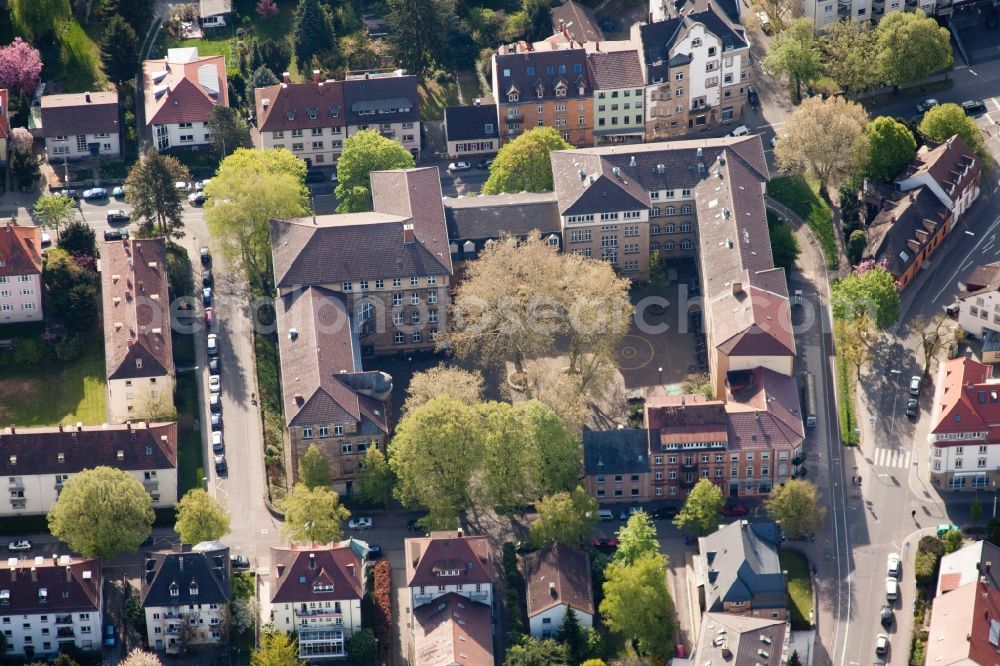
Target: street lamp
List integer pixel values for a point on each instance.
(660, 371)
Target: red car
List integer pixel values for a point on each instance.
(734, 510)
(605, 542)
(209, 317)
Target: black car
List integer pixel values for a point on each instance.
(220, 465)
(213, 365)
(206, 258)
(239, 561)
(314, 177)
(484, 164)
(752, 98)
(207, 279)
(115, 234)
(885, 617)
(665, 513)
(216, 422)
(974, 107)
(912, 407)
(413, 526)
(374, 551)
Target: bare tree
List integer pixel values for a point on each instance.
(936, 334)
(825, 137)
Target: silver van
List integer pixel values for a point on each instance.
(605, 515)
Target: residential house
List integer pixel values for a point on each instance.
(965, 624)
(661, 10)
(81, 125)
(4, 124)
(450, 579)
(316, 594)
(697, 72)
(823, 13)
(386, 102)
(20, 273)
(725, 638)
(949, 169)
(619, 113)
(578, 20)
(37, 462)
(965, 426)
(185, 596)
(979, 309)
(213, 13)
(471, 130)
(49, 604)
(738, 571)
(544, 88)
(967, 565)
(557, 578)
(180, 92)
(138, 353)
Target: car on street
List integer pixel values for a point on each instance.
(605, 542)
(117, 216)
(216, 422)
(753, 98)
(953, 310)
(206, 258)
(974, 107)
(665, 513)
(109, 635)
(209, 317)
(413, 526)
(944, 528)
(183, 186)
(196, 198)
(214, 403)
(628, 513)
(20, 546)
(485, 164)
(71, 193)
(891, 589)
(46, 239)
(239, 561)
(95, 193)
(912, 407)
(374, 551)
(217, 446)
(313, 176)
(115, 234)
(885, 616)
(206, 296)
(742, 130)
(118, 192)
(200, 185)
(915, 385)
(214, 383)
(734, 510)
(881, 645)
(461, 165)
(894, 566)
(212, 344)
(926, 105)
(220, 465)
(605, 515)
(360, 523)
(213, 365)
(207, 279)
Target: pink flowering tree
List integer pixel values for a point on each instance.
(266, 8)
(20, 67)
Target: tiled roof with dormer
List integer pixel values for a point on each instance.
(433, 559)
(183, 87)
(310, 574)
(52, 584)
(20, 250)
(185, 575)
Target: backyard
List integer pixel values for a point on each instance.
(435, 95)
(802, 196)
(799, 588)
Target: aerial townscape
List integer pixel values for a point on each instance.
(500, 332)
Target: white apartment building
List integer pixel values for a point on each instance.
(81, 125)
(180, 92)
(979, 309)
(37, 462)
(20, 273)
(824, 13)
(949, 169)
(49, 603)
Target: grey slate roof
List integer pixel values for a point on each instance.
(739, 640)
(534, 70)
(623, 451)
(381, 92)
(165, 570)
(659, 38)
(488, 216)
(904, 228)
(615, 69)
(579, 21)
(740, 563)
(469, 123)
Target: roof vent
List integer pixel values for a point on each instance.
(631, 161)
(616, 171)
(700, 152)
(582, 174)
(660, 168)
(265, 102)
(293, 334)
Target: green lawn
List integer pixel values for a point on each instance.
(216, 42)
(56, 392)
(799, 588)
(846, 390)
(276, 27)
(802, 196)
(434, 97)
(79, 63)
(189, 456)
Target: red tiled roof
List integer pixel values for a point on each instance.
(289, 105)
(20, 250)
(968, 400)
(962, 624)
(753, 322)
(447, 551)
(4, 113)
(949, 582)
(184, 99)
(453, 631)
(72, 585)
(615, 69)
(297, 570)
(952, 164)
(558, 575)
(686, 419)
(765, 413)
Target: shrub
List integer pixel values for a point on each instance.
(383, 610)
(924, 568)
(69, 347)
(29, 353)
(512, 600)
(931, 544)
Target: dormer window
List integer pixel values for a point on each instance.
(4, 597)
(541, 92)
(323, 587)
(560, 90)
(193, 589)
(43, 595)
(312, 112)
(449, 572)
(175, 591)
(513, 97)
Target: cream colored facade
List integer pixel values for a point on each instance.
(316, 622)
(172, 627)
(140, 398)
(20, 298)
(619, 115)
(34, 494)
(320, 145)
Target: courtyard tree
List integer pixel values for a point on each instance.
(785, 248)
(276, 649)
(138, 657)
(796, 504)
(375, 478)
(637, 605)
(636, 539)
(869, 290)
(314, 469)
(450, 380)
(119, 51)
(152, 192)
(364, 152)
(77, 237)
(506, 449)
(826, 138)
(314, 515)
(52, 211)
(565, 517)
(563, 393)
(855, 338)
(71, 285)
(102, 512)
(311, 32)
(890, 147)
(529, 651)
(262, 77)
(362, 649)
(201, 517)
(416, 28)
(910, 46)
(946, 120)
(554, 453)
(700, 513)
(847, 49)
(794, 53)
(229, 130)
(856, 244)
(523, 165)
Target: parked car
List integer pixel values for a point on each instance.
(109, 635)
(216, 422)
(207, 279)
(665, 513)
(734, 510)
(206, 258)
(313, 176)
(891, 589)
(953, 309)
(117, 216)
(753, 98)
(881, 645)
(628, 513)
(912, 407)
(944, 528)
(413, 526)
(214, 383)
(95, 193)
(485, 164)
(71, 193)
(360, 523)
(118, 192)
(974, 107)
(46, 239)
(220, 465)
(209, 317)
(374, 551)
(239, 561)
(213, 365)
(461, 165)
(217, 441)
(605, 542)
(214, 403)
(20, 546)
(200, 185)
(885, 616)
(742, 130)
(894, 566)
(206, 296)
(605, 515)
(115, 234)
(182, 185)
(926, 105)
(915, 385)
(213, 344)
(196, 198)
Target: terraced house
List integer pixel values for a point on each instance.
(20, 273)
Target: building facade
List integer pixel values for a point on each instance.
(472, 130)
(81, 125)
(739, 573)
(824, 13)
(619, 99)
(557, 578)
(979, 309)
(180, 92)
(48, 604)
(20, 273)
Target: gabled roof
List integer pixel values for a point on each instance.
(740, 640)
(753, 322)
(659, 39)
(288, 106)
(740, 563)
(81, 113)
(558, 575)
(615, 69)
(185, 575)
(4, 113)
(448, 551)
(969, 564)
(578, 20)
(62, 584)
(470, 123)
(488, 216)
(619, 451)
(20, 250)
(392, 97)
(952, 164)
(183, 87)
(453, 631)
(303, 575)
(965, 626)
(901, 230)
(72, 449)
(763, 410)
(967, 400)
(983, 279)
(686, 419)
(533, 71)
(136, 306)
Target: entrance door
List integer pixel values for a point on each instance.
(734, 489)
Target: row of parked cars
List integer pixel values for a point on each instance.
(214, 363)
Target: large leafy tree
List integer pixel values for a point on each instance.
(71, 285)
(890, 147)
(530, 651)
(20, 66)
(136, 12)
(868, 291)
(311, 33)
(314, 515)
(555, 452)
(314, 469)
(700, 513)
(946, 120)
(794, 53)
(910, 47)
(119, 51)
(151, 191)
(636, 538)
(375, 478)
(565, 517)
(77, 237)
(102, 512)
(362, 649)
(523, 165)
(638, 606)
(825, 137)
(52, 211)
(784, 244)
(229, 131)
(275, 55)
(276, 649)
(363, 153)
(138, 657)
(847, 49)
(461, 384)
(796, 504)
(506, 452)
(416, 27)
(201, 517)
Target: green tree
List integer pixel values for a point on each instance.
(506, 457)
(37, 19)
(314, 515)
(636, 539)
(375, 477)
(565, 517)
(23, 168)
(180, 279)
(138, 657)
(52, 211)
(638, 606)
(229, 131)
(785, 248)
(311, 33)
(79, 238)
(794, 659)
(952, 541)
(102, 512)
(200, 517)
(796, 504)
(251, 188)
(433, 455)
(700, 513)
(530, 651)
(573, 635)
(275, 55)
(137, 12)
(856, 245)
(847, 48)
(826, 138)
(794, 53)
(415, 29)
(314, 469)
(554, 452)
(362, 649)
(263, 77)
(890, 147)
(71, 288)
(119, 51)
(946, 120)
(152, 192)
(523, 165)
(910, 46)
(363, 153)
(870, 292)
(450, 380)
(593, 662)
(276, 649)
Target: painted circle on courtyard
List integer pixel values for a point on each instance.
(634, 352)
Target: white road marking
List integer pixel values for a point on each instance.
(948, 282)
(995, 102)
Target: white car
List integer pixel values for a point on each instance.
(183, 186)
(217, 441)
(360, 523)
(891, 589)
(214, 383)
(19, 546)
(461, 165)
(213, 344)
(894, 565)
(200, 185)
(742, 130)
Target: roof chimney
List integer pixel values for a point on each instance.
(299, 399)
(86, 96)
(737, 287)
(34, 575)
(316, 76)
(69, 574)
(408, 234)
(286, 77)
(552, 589)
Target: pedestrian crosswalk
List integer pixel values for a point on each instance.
(898, 458)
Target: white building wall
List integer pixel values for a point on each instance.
(70, 146)
(180, 135)
(206, 624)
(971, 456)
(978, 312)
(129, 399)
(321, 146)
(697, 43)
(35, 494)
(424, 595)
(548, 622)
(20, 298)
(287, 619)
(40, 631)
(621, 120)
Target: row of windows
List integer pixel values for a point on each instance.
(364, 285)
(475, 146)
(656, 230)
(960, 450)
(614, 93)
(400, 338)
(7, 307)
(24, 292)
(550, 70)
(4, 279)
(654, 195)
(432, 317)
(669, 246)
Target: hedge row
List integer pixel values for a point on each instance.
(383, 610)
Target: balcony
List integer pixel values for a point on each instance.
(15, 486)
(689, 467)
(172, 615)
(151, 485)
(320, 612)
(420, 599)
(174, 629)
(389, 134)
(514, 116)
(64, 619)
(64, 632)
